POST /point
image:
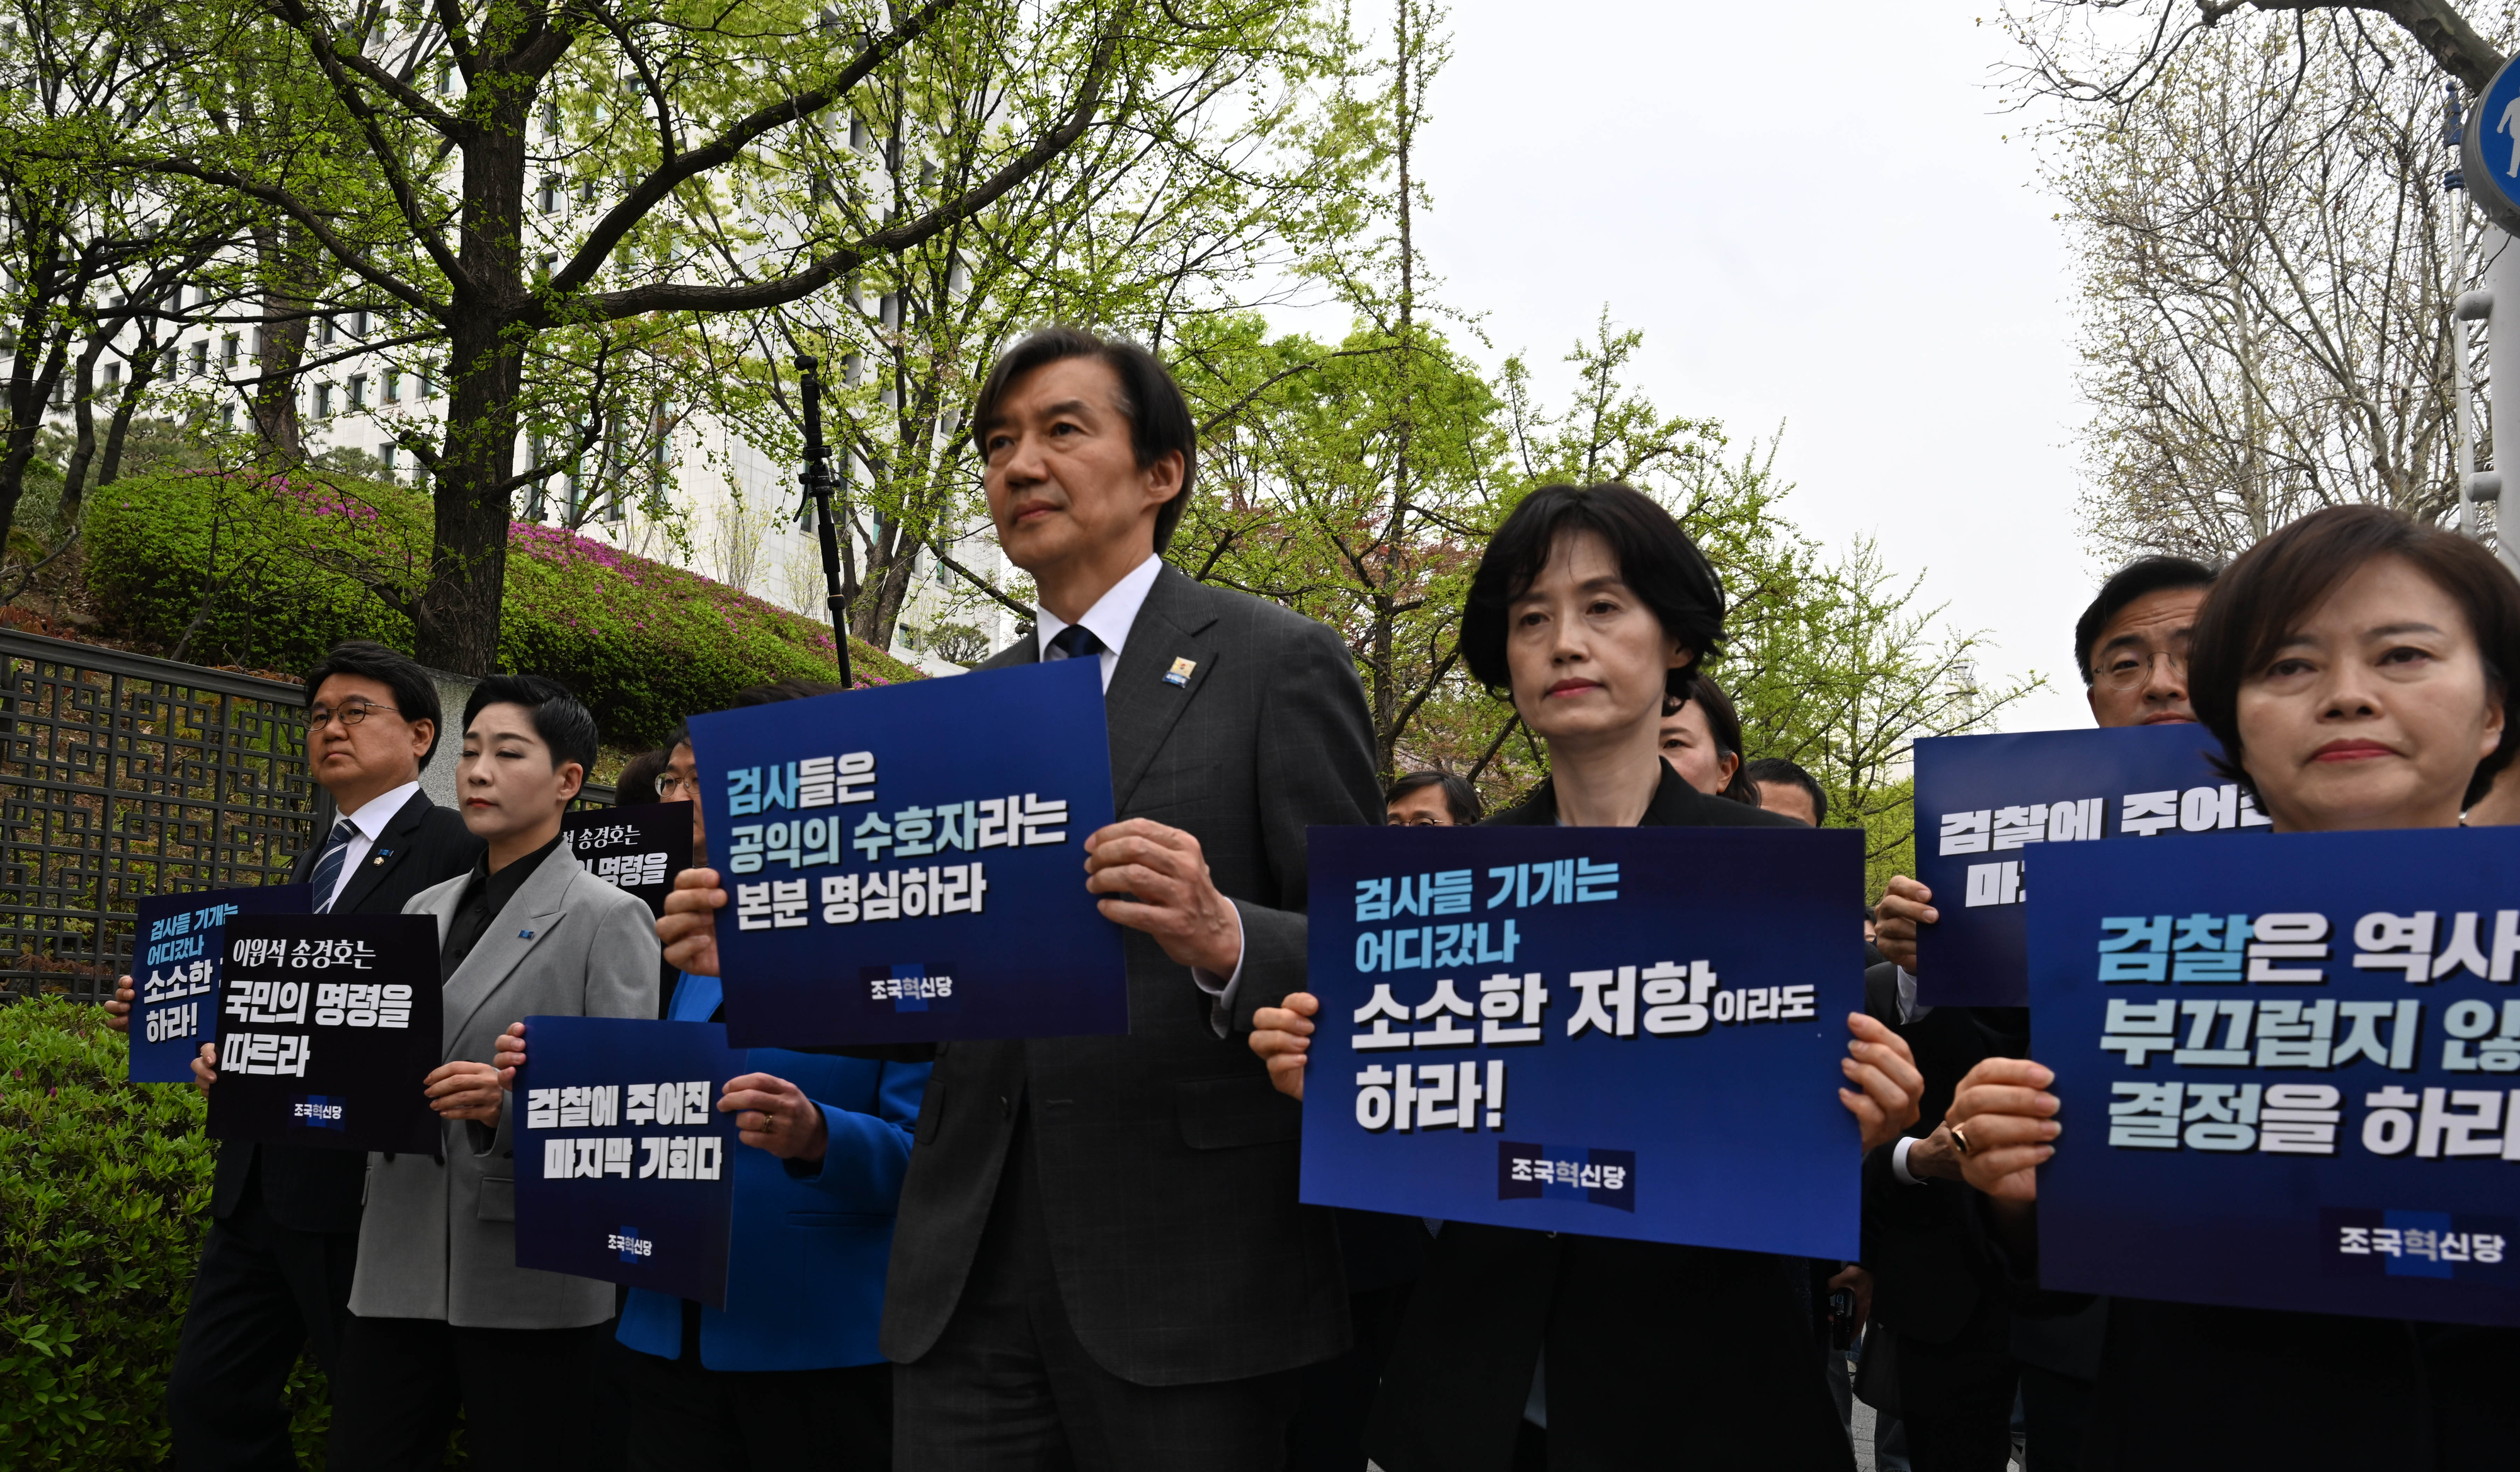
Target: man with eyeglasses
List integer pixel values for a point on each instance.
(276, 1266)
(1958, 1358)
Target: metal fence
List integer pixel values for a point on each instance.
(123, 775)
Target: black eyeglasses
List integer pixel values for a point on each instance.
(350, 713)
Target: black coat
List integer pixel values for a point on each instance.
(314, 1190)
(1930, 1266)
(2201, 1387)
(1167, 1162)
(1658, 1356)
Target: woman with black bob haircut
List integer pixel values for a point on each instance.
(1590, 611)
(2356, 668)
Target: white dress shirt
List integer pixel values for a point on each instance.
(370, 825)
(1908, 1012)
(1110, 620)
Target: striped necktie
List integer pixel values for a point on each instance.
(328, 867)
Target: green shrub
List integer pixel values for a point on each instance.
(271, 570)
(103, 1198)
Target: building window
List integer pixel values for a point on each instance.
(548, 197)
(325, 332)
(201, 357)
(392, 390)
(391, 454)
(227, 417)
(323, 400)
(359, 323)
(358, 392)
(113, 375)
(228, 346)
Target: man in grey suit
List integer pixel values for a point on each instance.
(1100, 1261)
(442, 1316)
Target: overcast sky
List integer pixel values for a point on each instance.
(1813, 215)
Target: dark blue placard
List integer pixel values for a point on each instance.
(984, 928)
(328, 1025)
(639, 848)
(1987, 804)
(1698, 1104)
(625, 1170)
(2300, 1170)
(176, 954)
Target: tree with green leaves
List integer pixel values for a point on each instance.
(85, 262)
(1215, 185)
(528, 195)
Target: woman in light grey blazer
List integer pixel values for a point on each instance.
(442, 1316)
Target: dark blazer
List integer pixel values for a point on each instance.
(1930, 1269)
(1167, 1163)
(1658, 1356)
(313, 1190)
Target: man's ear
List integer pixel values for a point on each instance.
(424, 733)
(1164, 478)
(572, 780)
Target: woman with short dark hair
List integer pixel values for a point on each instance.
(2355, 666)
(1591, 610)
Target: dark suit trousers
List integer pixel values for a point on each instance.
(1007, 1387)
(263, 1292)
(1956, 1399)
(685, 1418)
(525, 1395)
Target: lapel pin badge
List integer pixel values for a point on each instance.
(1181, 671)
(524, 935)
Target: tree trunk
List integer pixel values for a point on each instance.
(458, 617)
(279, 344)
(27, 395)
(109, 468)
(83, 416)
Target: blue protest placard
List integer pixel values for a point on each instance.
(1984, 802)
(906, 865)
(176, 956)
(1621, 1032)
(625, 1170)
(2286, 1083)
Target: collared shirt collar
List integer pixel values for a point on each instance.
(1109, 619)
(379, 810)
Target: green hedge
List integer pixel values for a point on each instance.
(103, 1196)
(289, 563)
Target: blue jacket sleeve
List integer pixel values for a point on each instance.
(869, 1154)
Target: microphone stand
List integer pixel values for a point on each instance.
(818, 494)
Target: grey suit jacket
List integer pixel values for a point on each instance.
(439, 1239)
(1167, 1163)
